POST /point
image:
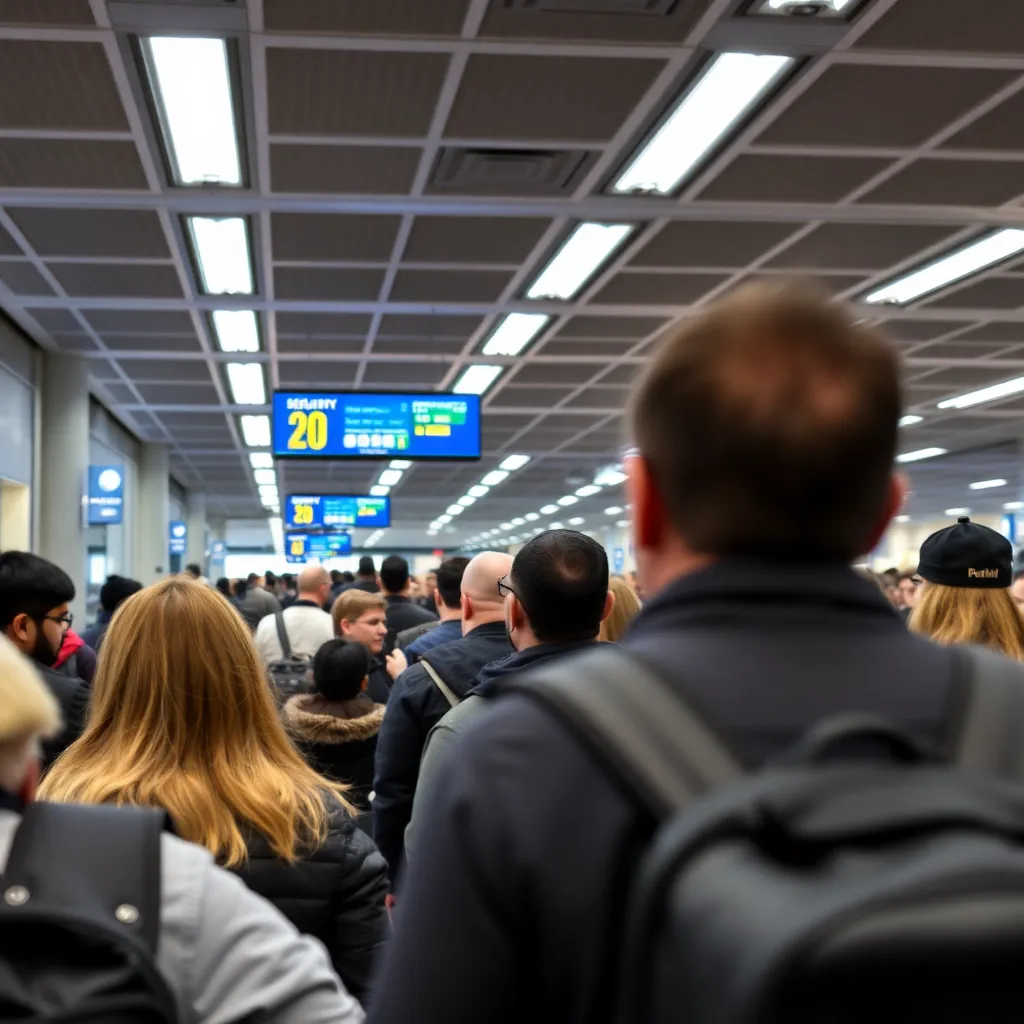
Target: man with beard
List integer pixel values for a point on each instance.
(34, 616)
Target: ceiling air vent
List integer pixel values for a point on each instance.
(592, 6)
(511, 172)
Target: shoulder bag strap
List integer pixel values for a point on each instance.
(637, 723)
(97, 863)
(991, 735)
(282, 634)
(450, 695)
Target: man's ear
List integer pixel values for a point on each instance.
(649, 517)
(21, 628)
(466, 604)
(516, 614)
(438, 599)
(609, 604)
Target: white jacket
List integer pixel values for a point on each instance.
(308, 628)
(227, 954)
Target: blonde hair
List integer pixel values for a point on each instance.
(28, 712)
(183, 718)
(626, 608)
(970, 615)
(350, 604)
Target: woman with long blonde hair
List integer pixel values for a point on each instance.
(183, 718)
(965, 598)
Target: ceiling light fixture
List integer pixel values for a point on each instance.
(556, 526)
(514, 462)
(514, 333)
(192, 87)
(444, 520)
(478, 490)
(989, 394)
(1013, 506)
(531, 517)
(455, 510)
(911, 421)
(390, 477)
(566, 500)
(921, 453)
(957, 511)
(610, 476)
(579, 258)
(576, 521)
(268, 491)
(466, 500)
(518, 521)
(495, 477)
(400, 464)
(588, 491)
(548, 510)
(256, 431)
(613, 511)
(955, 266)
(902, 519)
(261, 460)
(985, 485)
(221, 246)
(476, 379)
(730, 87)
(265, 476)
(246, 382)
(622, 523)
(506, 526)
(236, 330)
(379, 491)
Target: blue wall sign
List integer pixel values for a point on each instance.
(178, 537)
(330, 511)
(618, 561)
(300, 547)
(218, 550)
(106, 495)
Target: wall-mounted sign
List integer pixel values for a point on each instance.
(218, 550)
(106, 495)
(618, 561)
(178, 537)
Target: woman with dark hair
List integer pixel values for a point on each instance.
(336, 727)
(224, 586)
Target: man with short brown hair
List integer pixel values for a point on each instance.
(766, 430)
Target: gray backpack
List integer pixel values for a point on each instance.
(290, 675)
(858, 876)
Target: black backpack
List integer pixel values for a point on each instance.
(290, 675)
(826, 888)
(80, 918)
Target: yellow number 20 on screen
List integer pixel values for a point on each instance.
(310, 431)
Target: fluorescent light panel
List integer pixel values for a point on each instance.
(957, 511)
(576, 521)
(192, 83)
(514, 333)
(236, 330)
(495, 477)
(478, 490)
(921, 453)
(399, 464)
(261, 460)
(466, 500)
(455, 510)
(476, 379)
(390, 477)
(246, 382)
(955, 266)
(566, 500)
(610, 476)
(911, 421)
(256, 431)
(1013, 506)
(265, 476)
(989, 394)
(613, 511)
(548, 510)
(587, 491)
(514, 462)
(728, 90)
(379, 491)
(579, 258)
(984, 485)
(222, 252)
(531, 517)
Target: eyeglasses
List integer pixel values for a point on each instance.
(505, 588)
(379, 621)
(64, 621)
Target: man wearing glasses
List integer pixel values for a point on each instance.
(34, 616)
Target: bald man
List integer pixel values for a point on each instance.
(306, 623)
(424, 693)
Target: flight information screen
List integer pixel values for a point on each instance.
(357, 425)
(301, 547)
(330, 511)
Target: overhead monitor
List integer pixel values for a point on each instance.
(383, 425)
(331, 511)
(301, 547)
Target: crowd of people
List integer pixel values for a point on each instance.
(410, 766)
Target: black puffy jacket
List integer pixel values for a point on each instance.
(337, 895)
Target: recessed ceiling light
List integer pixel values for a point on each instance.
(518, 521)
(531, 517)
(506, 526)
(957, 511)
(576, 521)
(192, 87)
(613, 511)
(476, 379)
(455, 510)
(514, 333)
(495, 477)
(1013, 506)
(444, 520)
(222, 253)
(390, 477)
(268, 490)
(588, 491)
(623, 522)
(514, 462)
(911, 421)
(984, 485)
(236, 330)
(955, 266)
(567, 500)
(246, 382)
(729, 88)
(379, 491)
(578, 259)
(556, 526)
(265, 476)
(548, 510)
(478, 490)
(610, 476)
(466, 500)
(921, 453)
(261, 460)
(903, 519)
(989, 394)
(399, 464)
(256, 431)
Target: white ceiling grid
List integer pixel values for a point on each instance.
(381, 262)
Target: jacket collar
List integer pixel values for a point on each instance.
(487, 629)
(490, 679)
(303, 603)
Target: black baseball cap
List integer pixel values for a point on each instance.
(967, 555)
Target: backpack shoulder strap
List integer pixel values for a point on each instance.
(282, 634)
(637, 723)
(449, 694)
(97, 863)
(991, 735)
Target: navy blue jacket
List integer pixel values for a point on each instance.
(415, 706)
(524, 871)
(489, 680)
(449, 631)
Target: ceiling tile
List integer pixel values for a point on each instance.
(449, 286)
(420, 375)
(320, 346)
(951, 183)
(587, 21)
(151, 342)
(69, 163)
(54, 320)
(512, 395)
(473, 239)
(419, 346)
(8, 246)
(612, 399)
(996, 332)
(178, 394)
(526, 97)
(333, 236)
(658, 289)
(352, 92)
(948, 25)
(991, 293)
(75, 343)
(317, 373)
(958, 350)
(586, 347)
(137, 280)
(384, 170)
(852, 105)
(156, 370)
(46, 12)
(369, 17)
(998, 129)
(55, 231)
(557, 373)
(327, 283)
(426, 326)
(859, 246)
(712, 243)
(22, 278)
(121, 394)
(140, 321)
(633, 328)
(301, 325)
(796, 179)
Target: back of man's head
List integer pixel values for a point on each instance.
(768, 425)
(394, 574)
(28, 713)
(116, 591)
(366, 567)
(449, 580)
(561, 580)
(336, 578)
(30, 585)
(312, 580)
(193, 570)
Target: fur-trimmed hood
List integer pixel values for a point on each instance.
(310, 718)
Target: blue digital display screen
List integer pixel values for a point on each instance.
(357, 425)
(331, 511)
(301, 547)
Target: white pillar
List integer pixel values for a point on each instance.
(64, 459)
(217, 532)
(152, 558)
(195, 518)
